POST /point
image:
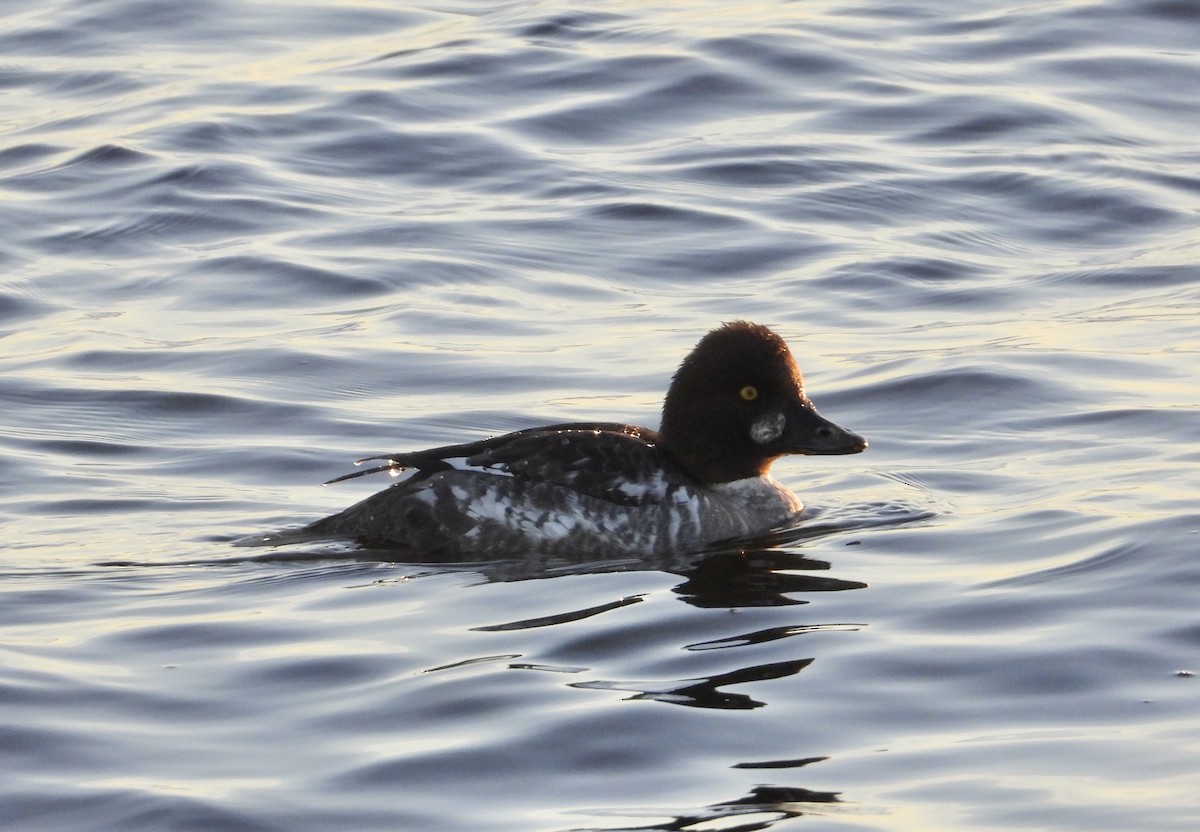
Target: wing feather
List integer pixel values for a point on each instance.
(607, 460)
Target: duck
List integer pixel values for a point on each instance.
(736, 404)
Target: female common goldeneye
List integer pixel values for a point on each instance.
(736, 404)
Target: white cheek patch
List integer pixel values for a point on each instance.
(767, 428)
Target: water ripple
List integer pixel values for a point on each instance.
(242, 247)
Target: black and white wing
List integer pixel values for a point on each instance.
(607, 460)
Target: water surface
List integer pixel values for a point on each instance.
(248, 243)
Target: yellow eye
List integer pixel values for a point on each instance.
(748, 393)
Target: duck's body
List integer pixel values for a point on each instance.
(736, 404)
(596, 488)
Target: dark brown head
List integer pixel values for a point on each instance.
(737, 404)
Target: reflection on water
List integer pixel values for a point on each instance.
(705, 693)
(750, 578)
(762, 808)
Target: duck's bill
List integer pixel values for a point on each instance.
(808, 432)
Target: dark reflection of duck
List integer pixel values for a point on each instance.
(761, 809)
(756, 578)
(706, 692)
(735, 405)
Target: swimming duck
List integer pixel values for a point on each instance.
(735, 405)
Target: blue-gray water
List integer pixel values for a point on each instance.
(244, 243)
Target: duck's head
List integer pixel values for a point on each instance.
(737, 404)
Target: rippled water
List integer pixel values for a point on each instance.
(246, 243)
